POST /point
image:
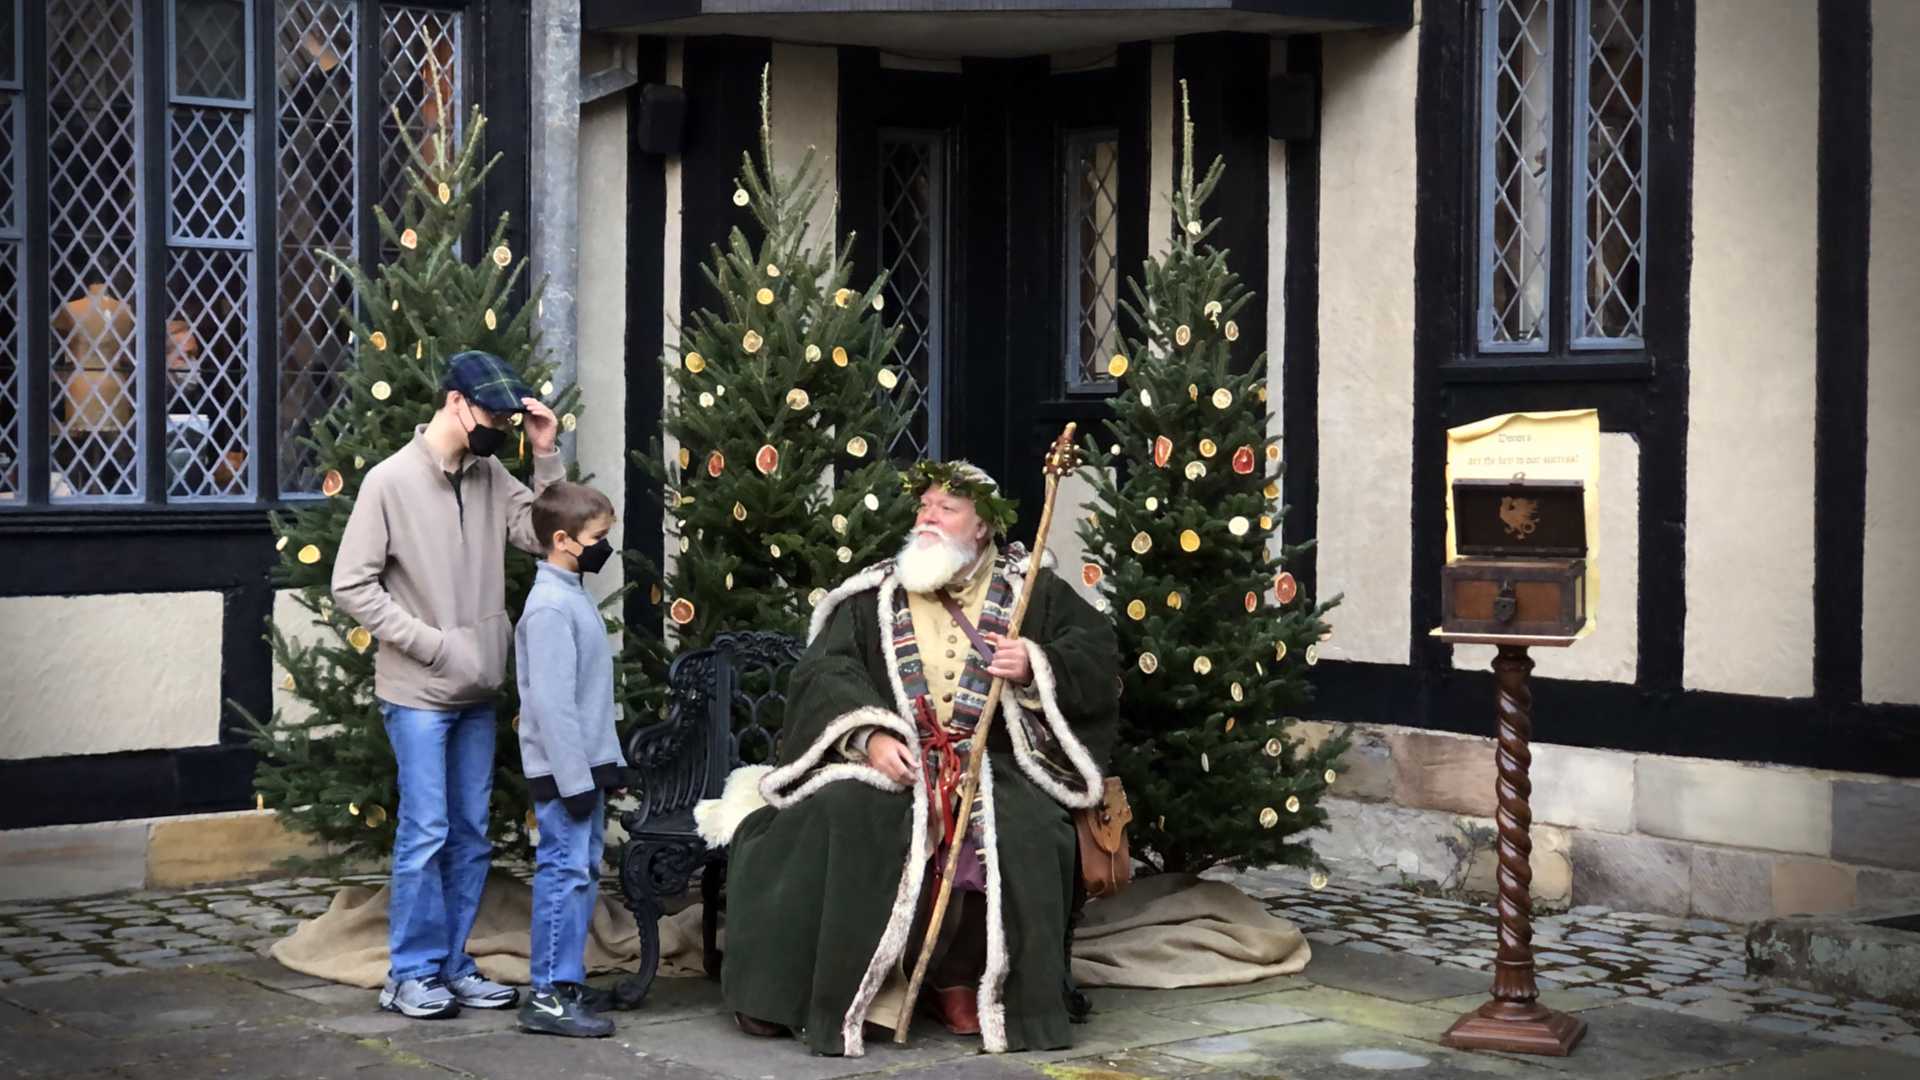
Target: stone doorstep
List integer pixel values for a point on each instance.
(61, 861)
(1847, 955)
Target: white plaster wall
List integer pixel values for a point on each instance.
(1890, 622)
(602, 436)
(1276, 272)
(1366, 340)
(102, 674)
(806, 113)
(299, 627)
(1612, 652)
(1751, 356)
(1163, 129)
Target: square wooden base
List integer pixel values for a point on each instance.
(1516, 1029)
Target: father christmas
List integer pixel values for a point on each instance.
(831, 883)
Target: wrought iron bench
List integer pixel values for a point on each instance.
(725, 704)
(725, 707)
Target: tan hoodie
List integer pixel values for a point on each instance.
(425, 572)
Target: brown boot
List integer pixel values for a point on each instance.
(760, 1028)
(957, 1008)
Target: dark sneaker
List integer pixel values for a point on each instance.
(421, 999)
(588, 998)
(554, 1013)
(475, 991)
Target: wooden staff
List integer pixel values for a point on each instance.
(1062, 458)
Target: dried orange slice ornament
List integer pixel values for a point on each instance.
(767, 460)
(1243, 460)
(1285, 588)
(360, 638)
(1189, 541)
(716, 464)
(1090, 574)
(333, 484)
(1253, 602)
(681, 612)
(1162, 451)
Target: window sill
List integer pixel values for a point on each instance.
(1598, 367)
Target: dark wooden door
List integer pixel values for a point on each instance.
(1007, 203)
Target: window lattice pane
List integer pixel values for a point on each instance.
(911, 253)
(1610, 241)
(210, 49)
(421, 77)
(1516, 171)
(93, 200)
(315, 70)
(10, 456)
(209, 374)
(208, 176)
(1093, 223)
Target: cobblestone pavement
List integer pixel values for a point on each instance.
(1696, 967)
(1588, 956)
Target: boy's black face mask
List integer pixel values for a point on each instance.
(594, 556)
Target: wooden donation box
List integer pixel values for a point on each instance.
(1522, 521)
(1521, 566)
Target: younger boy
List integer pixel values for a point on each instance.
(569, 751)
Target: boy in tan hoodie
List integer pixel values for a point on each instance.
(422, 566)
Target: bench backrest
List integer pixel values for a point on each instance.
(724, 709)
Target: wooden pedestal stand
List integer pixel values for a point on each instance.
(1514, 1021)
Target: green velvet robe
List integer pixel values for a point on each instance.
(824, 883)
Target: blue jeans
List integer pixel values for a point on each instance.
(566, 885)
(441, 852)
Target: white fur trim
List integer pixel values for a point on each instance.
(1048, 688)
(987, 1000)
(716, 819)
(906, 898)
(774, 785)
(858, 583)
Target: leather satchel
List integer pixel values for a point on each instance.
(1106, 862)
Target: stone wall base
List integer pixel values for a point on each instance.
(1631, 832)
(156, 853)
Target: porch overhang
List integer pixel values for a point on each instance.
(986, 27)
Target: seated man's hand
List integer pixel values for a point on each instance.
(1010, 660)
(887, 753)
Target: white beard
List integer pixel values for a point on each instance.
(926, 568)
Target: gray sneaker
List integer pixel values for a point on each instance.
(475, 991)
(421, 999)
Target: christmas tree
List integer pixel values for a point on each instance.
(782, 485)
(1215, 636)
(330, 771)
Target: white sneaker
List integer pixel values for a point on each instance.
(421, 999)
(475, 991)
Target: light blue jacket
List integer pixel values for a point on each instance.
(564, 665)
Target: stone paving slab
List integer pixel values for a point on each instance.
(1381, 1014)
(1330, 1050)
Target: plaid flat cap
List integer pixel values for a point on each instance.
(487, 381)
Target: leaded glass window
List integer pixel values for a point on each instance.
(1609, 173)
(1516, 170)
(98, 427)
(1562, 187)
(316, 52)
(175, 269)
(1092, 309)
(913, 253)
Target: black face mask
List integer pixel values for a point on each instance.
(483, 441)
(594, 556)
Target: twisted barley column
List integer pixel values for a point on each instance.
(1513, 982)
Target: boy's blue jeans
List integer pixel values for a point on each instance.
(441, 852)
(566, 885)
